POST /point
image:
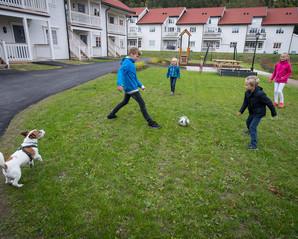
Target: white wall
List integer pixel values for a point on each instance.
(195, 36)
(228, 37)
(294, 44)
(151, 36)
(7, 22)
(272, 37)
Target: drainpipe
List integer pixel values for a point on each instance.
(291, 42)
(126, 22)
(107, 37)
(67, 34)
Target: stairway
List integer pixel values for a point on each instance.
(78, 48)
(113, 49)
(3, 65)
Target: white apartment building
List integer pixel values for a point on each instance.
(78, 28)
(220, 29)
(32, 30)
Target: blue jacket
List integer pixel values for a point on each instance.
(173, 71)
(127, 75)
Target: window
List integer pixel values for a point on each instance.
(98, 41)
(132, 20)
(193, 29)
(178, 29)
(139, 43)
(121, 22)
(253, 30)
(192, 44)
(171, 29)
(54, 36)
(263, 30)
(96, 12)
(260, 45)
(132, 42)
(52, 4)
(233, 44)
(111, 20)
(139, 29)
(152, 29)
(152, 43)
(132, 29)
(277, 45)
(171, 21)
(209, 21)
(235, 30)
(279, 31)
(81, 8)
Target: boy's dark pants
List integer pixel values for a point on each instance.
(252, 123)
(173, 83)
(138, 98)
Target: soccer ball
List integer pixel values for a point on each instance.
(183, 121)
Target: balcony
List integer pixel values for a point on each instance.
(116, 29)
(85, 19)
(252, 36)
(170, 34)
(212, 35)
(32, 5)
(134, 33)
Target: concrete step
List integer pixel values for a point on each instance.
(3, 66)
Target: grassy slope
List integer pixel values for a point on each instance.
(107, 179)
(262, 62)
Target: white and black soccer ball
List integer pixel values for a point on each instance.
(183, 121)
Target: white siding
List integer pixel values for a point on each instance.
(228, 36)
(195, 37)
(151, 36)
(294, 45)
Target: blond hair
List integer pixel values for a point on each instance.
(174, 59)
(252, 80)
(134, 51)
(286, 55)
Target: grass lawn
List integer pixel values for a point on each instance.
(93, 60)
(121, 179)
(263, 62)
(32, 67)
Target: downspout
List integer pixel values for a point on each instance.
(107, 37)
(291, 41)
(126, 22)
(67, 34)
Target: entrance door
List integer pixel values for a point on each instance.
(19, 34)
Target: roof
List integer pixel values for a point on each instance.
(200, 15)
(118, 4)
(281, 16)
(242, 16)
(138, 11)
(159, 15)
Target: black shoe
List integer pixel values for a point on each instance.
(112, 116)
(154, 125)
(251, 147)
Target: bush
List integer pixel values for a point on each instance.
(140, 65)
(155, 60)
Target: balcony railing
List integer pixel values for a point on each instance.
(33, 5)
(114, 28)
(252, 36)
(171, 34)
(212, 35)
(85, 19)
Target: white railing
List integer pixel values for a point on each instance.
(171, 34)
(3, 52)
(17, 52)
(252, 36)
(114, 28)
(35, 5)
(77, 46)
(82, 18)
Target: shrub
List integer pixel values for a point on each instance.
(155, 60)
(140, 65)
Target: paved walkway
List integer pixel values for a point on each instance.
(18, 90)
(262, 73)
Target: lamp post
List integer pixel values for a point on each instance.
(253, 59)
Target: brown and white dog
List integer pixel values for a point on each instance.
(24, 155)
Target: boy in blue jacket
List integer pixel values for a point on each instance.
(173, 73)
(128, 81)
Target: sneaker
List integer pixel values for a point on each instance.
(251, 147)
(172, 93)
(275, 104)
(281, 105)
(112, 116)
(154, 125)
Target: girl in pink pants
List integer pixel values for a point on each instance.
(280, 76)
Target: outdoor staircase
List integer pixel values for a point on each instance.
(78, 48)
(113, 49)
(3, 65)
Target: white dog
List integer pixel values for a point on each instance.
(24, 155)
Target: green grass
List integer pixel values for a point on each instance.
(121, 179)
(263, 62)
(93, 60)
(32, 67)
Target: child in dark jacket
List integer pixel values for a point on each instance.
(256, 101)
(173, 73)
(128, 81)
